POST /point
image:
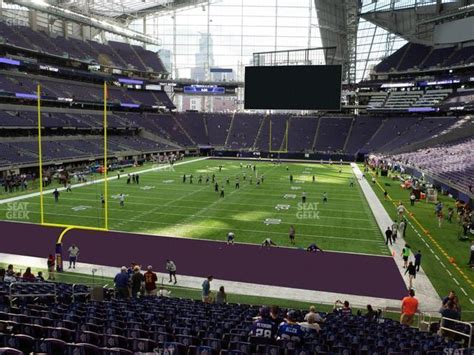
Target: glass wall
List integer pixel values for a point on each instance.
(373, 42)
(226, 33)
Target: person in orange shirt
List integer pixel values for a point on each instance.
(409, 308)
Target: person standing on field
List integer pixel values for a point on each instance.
(418, 260)
(73, 255)
(292, 234)
(171, 268)
(394, 231)
(388, 236)
(406, 252)
(401, 228)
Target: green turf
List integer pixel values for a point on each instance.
(162, 204)
(447, 238)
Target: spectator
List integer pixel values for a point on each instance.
(275, 314)
(206, 289)
(51, 268)
(388, 236)
(401, 228)
(418, 260)
(40, 277)
(450, 214)
(131, 268)
(264, 326)
(409, 308)
(137, 281)
(400, 210)
(121, 283)
(28, 275)
(450, 312)
(73, 254)
(454, 299)
(2, 274)
(371, 315)
(171, 268)
(312, 311)
(291, 330)
(221, 297)
(411, 270)
(343, 308)
(310, 323)
(10, 271)
(150, 281)
(406, 252)
(394, 231)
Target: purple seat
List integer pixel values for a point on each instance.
(83, 349)
(52, 346)
(10, 351)
(116, 351)
(142, 345)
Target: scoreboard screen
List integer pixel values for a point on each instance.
(204, 89)
(293, 87)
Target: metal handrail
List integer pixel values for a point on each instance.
(468, 336)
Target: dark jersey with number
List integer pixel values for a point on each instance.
(264, 328)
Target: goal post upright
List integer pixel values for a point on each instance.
(106, 185)
(40, 153)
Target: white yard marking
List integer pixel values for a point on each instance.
(147, 188)
(269, 221)
(80, 208)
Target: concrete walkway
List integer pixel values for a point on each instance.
(425, 292)
(232, 287)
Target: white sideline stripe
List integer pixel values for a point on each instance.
(425, 291)
(240, 288)
(98, 181)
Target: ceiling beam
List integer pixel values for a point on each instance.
(95, 22)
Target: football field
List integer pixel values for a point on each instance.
(163, 204)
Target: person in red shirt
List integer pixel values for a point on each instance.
(51, 263)
(28, 276)
(409, 308)
(150, 281)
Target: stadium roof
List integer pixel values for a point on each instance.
(416, 20)
(124, 9)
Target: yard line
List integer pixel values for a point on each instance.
(261, 195)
